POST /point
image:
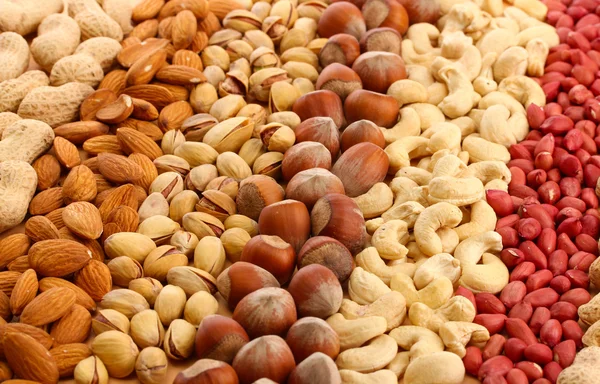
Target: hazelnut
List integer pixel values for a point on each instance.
(220, 338)
(340, 79)
(310, 185)
(320, 103)
(271, 253)
(268, 311)
(380, 109)
(255, 193)
(316, 291)
(338, 216)
(341, 48)
(385, 13)
(379, 70)
(328, 252)
(288, 219)
(310, 335)
(342, 17)
(381, 39)
(303, 156)
(207, 371)
(322, 130)
(361, 131)
(243, 278)
(266, 357)
(422, 11)
(318, 368)
(361, 157)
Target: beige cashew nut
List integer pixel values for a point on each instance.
(481, 150)
(457, 334)
(408, 125)
(442, 264)
(408, 212)
(418, 340)
(399, 151)
(431, 219)
(408, 91)
(375, 355)
(365, 287)
(406, 190)
(370, 260)
(469, 251)
(458, 308)
(354, 333)
(390, 240)
(443, 136)
(498, 126)
(482, 219)
(416, 174)
(383, 376)
(511, 62)
(485, 82)
(490, 276)
(462, 96)
(448, 166)
(538, 53)
(454, 190)
(434, 295)
(419, 370)
(391, 306)
(422, 35)
(399, 364)
(524, 89)
(376, 201)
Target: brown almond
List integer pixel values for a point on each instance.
(198, 7)
(104, 143)
(188, 59)
(114, 80)
(116, 111)
(8, 279)
(81, 297)
(47, 169)
(80, 185)
(179, 92)
(92, 164)
(130, 41)
(46, 201)
(5, 312)
(94, 279)
(149, 169)
(95, 102)
(73, 327)
(56, 216)
(222, 7)
(173, 115)
(57, 258)
(144, 110)
(110, 229)
(148, 128)
(184, 29)
(123, 195)
(134, 141)
(29, 359)
(180, 75)
(125, 217)
(210, 24)
(80, 131)
(155, 94)
(67, 356)
(145, 30)
(13, 246)
(94, 247)
(48, 307)
(165, 26)
(144, 69)
(66, 152)
(24, 291)
(102, 184)
(20, 264)
(83, 219)
(200, 41)
(40, 228)
(5, 372)
(129, 55)
(119, 169)
(146, 9)
(66, 234)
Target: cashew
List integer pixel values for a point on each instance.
(420, 370)
(449, 239)
(544, 32)
(455, 44)
(448, 166)
(406, 190)
(431, 219)
(533, 8)
(383, 376)
(436, 91)
(373, 224)
(418, 340)
(398, 151)
(354, 333)
(454, 190)
(459, 18)
(471, 60)
(422, 35)
(511, 62)
(433, 295)
(485, 82)
(497, 184)
(509, 24)
(470, 250)
(493, 7)
(457, 334)
(483, 219)
(503, 98)
(489, 276)
(18, 181)
(375, 355)
(443, 136)
(462, 97)
(486, 171)
(429, 114)
(420, 74)
(481, 150)
(365, 287)
(391, 306)
(442, 264)
(475, 115)
(408, 212)
(409, 124)
(538, 52)
(458, 308)
(498, 126)
(370, 260)
(408, 91)
(399, 364)
(390, 238)
(412, 57)
(418, 175)
(516, 14)
(415, 253)
(523, 89)
(376, 201)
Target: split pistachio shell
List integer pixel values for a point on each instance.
(117, 351)
(148, 287)
(229, 135)
(135, 245)
(151, 366)
(179, 340)
(146, 329)
(90, 370)
(125, 301)
(123, 269)
(234, 240)
(110, 320)
(158, 228)
(181, 204)
(161, 260)
(192, 280)
(185, 242)
(154, 204)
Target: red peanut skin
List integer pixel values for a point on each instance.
(500, 202)
(540, 316)
(534, 254)
(539, 279)
(519, 329)
(473, 360)
(563, 242)
(558, 262)
(543, 297)
(514, 349)
(494, 323)
(538, 353)
(513, 293)
(495, 366)
(516, 376)
(564, 353)
(572, 331)
(576, 296)
(578, 279)
(542, 381)
(586, 243)
(551, 332)
(511, 256)
(549, 192)
(551, 371)
(496, 379)
(581, 260)
(522, 311)
(488, 303)
(508, 221)
(532, 370)
(563, 311)
(528, 228)
(560, 284)
(540, 214)
(494, 346)
(522, 271)
(546, 241)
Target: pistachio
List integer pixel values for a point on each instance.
(198, 306)
(179, 340)
(192, 280)
(234, 240)
(258, 38)
(123, 269)
(217, 204)
(223, 37)
(200, 176)
(148, 287)
(161, 260)
(209, 255)
(146, 329)
(277, 137)
(260, 82)
(241, 20)
(256, 112)
(268, 164)
(196, 153)
(243, 222)
(125, 301)
(168, 183)
(132, 244)
(172, 163)
(262, 58)
(110, 320)
(154, 204)
(282, 97)
(216, 55)
(229, 135)
(214, 75)
(235, 83)
(202, 97)
(299, 69)
(202, 224)
(295, 37)
(158, 228)
(316, 45)
(238, 49)
(251, 150)
(242, 65)
(312, 9)
(170, 303)
(117, 351)
(274, 27)
(90, 370)
(288, 118)
(225, 184)
(181, 204)
(227, 107)
(286, 10)
(171, 140)
(261, 9)
(301, 55)
(185, 242)
(196, 126)
(151, 366)
(232, 165)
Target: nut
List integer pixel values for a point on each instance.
(311, 335)
(146, 329)
(200, 305)
(151, 366)
(266, 356)
(118, 352)
(179, 340)
(316, 291)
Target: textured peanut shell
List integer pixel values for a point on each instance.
(14, 54)
(23, 17)
(80, 67)
(6, 119)
(25, 140)
(18, 181)
(58, 36)
(13, 91)
(103, 49)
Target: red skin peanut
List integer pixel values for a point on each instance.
(494, 346)
(560, 284)
(551, 333)
(564, 243)
(496, 366)
(522, 311)
(528, 229)
(516, 376)
(531, 369)
(514, 349)
(543, 297)
(508, 221)
(551, 371)
(549, 192)
(540, 316)
(546, 241)
(494, 323)
(511, 257)
(564, 353)
(510, 237)
(578, 279)
(488, 303)
(576, 296)
(534, 254)
(538, 353)
(513, 293)
(581, 260)
(590, 224)
(519, 329)
(522, 272)
(473, 360)
(563, 311)
(500, 202)
(572, 331)
(538, 280)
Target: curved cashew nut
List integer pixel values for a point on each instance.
(497, 41)
(449, 239)
(365, 287)
(524, 89)
(470, 250)
(457, 334)
(442, 264)
(408, 125)
(544, 32)
(455, 44)
(459, 17)
(503, 98)
(448, 166)
(487, 171)
(454, 190)
(431, 219)
(406, 190)
(411, 56)
(485, 82)
(512, 62)
(407, 212)
(428, 114)
(498, 126)
(443, 136)
(481, 150)
(508, 23)
(538, 53)
(415, 253)
(422, 35)
(493, 7)
(375, 201)
(420, 74)
(466, 125)
(391, 306)
(416, 174)
(433, 159)
(399, 151)
(378, 353)
(458, 308)
(418, 340)
(462, 96)
(471, 60)
(483, 219)
(390, 238)
(436, 91)
(355, 332)
(408, 91)
(490, 276)
(370, 261)
(419, 370)
(498, 184)
(399, 364)
(373, 224)
(383, 376)
(433, 295)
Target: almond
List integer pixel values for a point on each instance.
(56, 216)
(92, 164)
(29, 359)
(222, 7)
(188, 59)
(114, 80)
(81, 297)
(20, 264)
(104, 143)
(24, 291)
(145, 30)
(80, 185)
(94, 247)
(165, 26)
(129, 55)
(5, 312)
(102, 184)
(8, 279)
(173, 115)
(173, 7)
(181, 75)
(200, 41)
(94, 279)
(119, 169)
(116, 111)
(144, 110)
(123, 195)
(48, 307)
(125, 217)
(134, 141)
(110, 229)
(47, 169)
(73, 327)
(209, 25)
(155, 94)
(66, 234)
(5, 372)
(94, 102)
(83, 219)
(179, 92)
(13, 246)
(67, 357)
(146, 9)
(184, 29)
(57, 258)
(130, 41)
(144, 69)
(80, 131)
(148, 128)
(66, 152)
(38, 334)
(40, 228)
(46, 201)
(149, 170)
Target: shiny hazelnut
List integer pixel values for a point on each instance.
(322, 130)
(385, 13)
(320, 103)
(338, 216)
(241, 279)
(219, 338)
(341, 48)
(266, 357)
(342, 17)
(358, 3)
(318, 368)
(310, 335)
(381, 39)
(361, 131)
(361, 156)
(207, 371)
(316, 291)
(288, 219)
(268, 311)
(328, 252)
(305, 155)
(422, 11)
(380, 109)
(255, 193)
(271, 253)
(310, 185)
(340, 79)
(379, 70)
